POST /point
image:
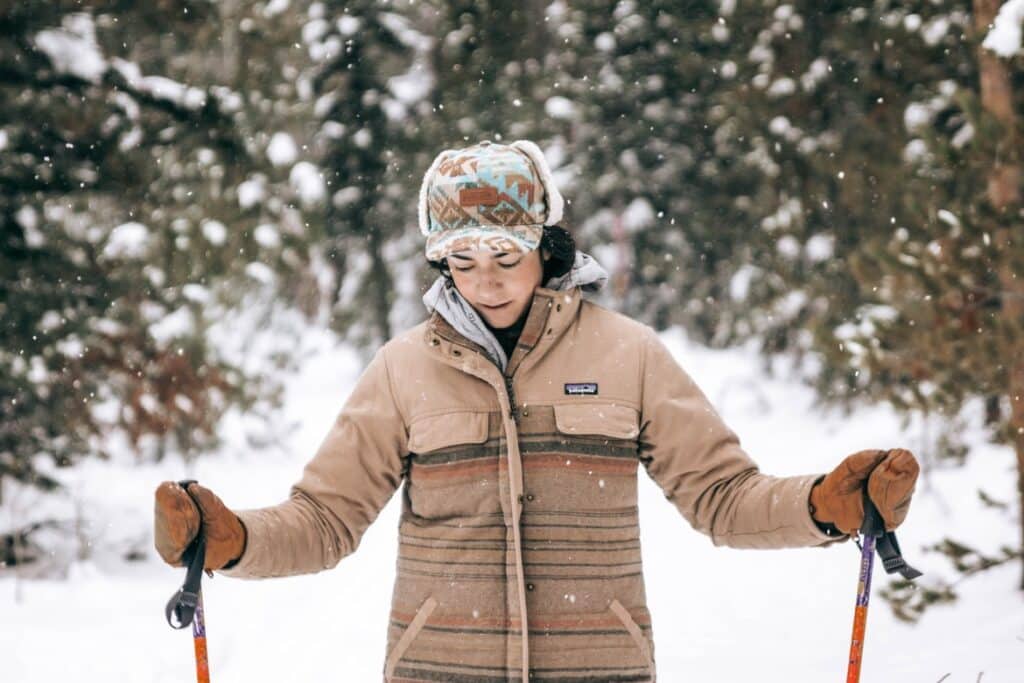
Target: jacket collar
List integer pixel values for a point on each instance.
(551, 313)
(454, 319)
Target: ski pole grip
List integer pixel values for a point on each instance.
(873, 525)
(181, 608)
(887, 546)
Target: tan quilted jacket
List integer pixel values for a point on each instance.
(519, 502)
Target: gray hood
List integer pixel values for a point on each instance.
(586, 273)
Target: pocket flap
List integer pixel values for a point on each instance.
(437, 431)
(606, 419)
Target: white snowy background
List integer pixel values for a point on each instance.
(719, 614)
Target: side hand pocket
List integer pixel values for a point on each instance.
(408, 636)
(638, 636)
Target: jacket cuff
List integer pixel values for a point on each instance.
(245, 567)
(827, 532)
(245, 543)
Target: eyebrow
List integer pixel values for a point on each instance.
(495, 255)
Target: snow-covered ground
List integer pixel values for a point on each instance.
(719, 615)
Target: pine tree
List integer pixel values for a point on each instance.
(71, 288)
(125, 228)
(872, 252)
(660, 173)
(365, 139)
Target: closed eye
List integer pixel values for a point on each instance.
(506, 266)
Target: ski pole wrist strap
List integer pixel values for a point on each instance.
(182, 606)
(886, 545)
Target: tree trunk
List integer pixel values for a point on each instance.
(1004, 195)
(229, 43)
(382, 286)
(1017, 430)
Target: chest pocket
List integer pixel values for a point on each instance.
(440, 432)
(598, 419)
(453, 468)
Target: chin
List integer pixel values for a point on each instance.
(501, 318)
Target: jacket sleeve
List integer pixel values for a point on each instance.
(696, 459)
(355, 471)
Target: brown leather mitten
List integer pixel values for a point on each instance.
(891, 486)
(837, 499)
(176, 523)
(890, 477)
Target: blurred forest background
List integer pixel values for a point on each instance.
(841, 181)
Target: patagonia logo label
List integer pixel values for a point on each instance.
(581, 388)
(475, 196)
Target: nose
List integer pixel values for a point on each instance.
(490, 277)
(491, 289)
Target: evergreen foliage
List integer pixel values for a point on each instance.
(839, 180)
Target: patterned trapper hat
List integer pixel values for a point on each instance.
(489, 196)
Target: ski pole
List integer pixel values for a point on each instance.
(186, 605)
(875, 537)
(860, 612)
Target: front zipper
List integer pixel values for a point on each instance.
(514, 414)
(513, 410)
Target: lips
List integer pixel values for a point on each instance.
(494, 308)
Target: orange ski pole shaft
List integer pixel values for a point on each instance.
(199, 639)
(860, 613)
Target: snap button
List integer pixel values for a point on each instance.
(456, 352)
(435, 342)
(529, 496)
(526, 411)
(529, 586)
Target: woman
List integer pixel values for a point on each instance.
(517, 416)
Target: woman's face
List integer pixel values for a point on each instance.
(500, 285)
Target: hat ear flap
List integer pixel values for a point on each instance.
(554, 197)
(423, 217)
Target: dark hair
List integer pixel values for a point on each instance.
(558, 241)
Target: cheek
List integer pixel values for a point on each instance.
(469, 285)
(463, 283)
(527, 283)
(532, 275)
